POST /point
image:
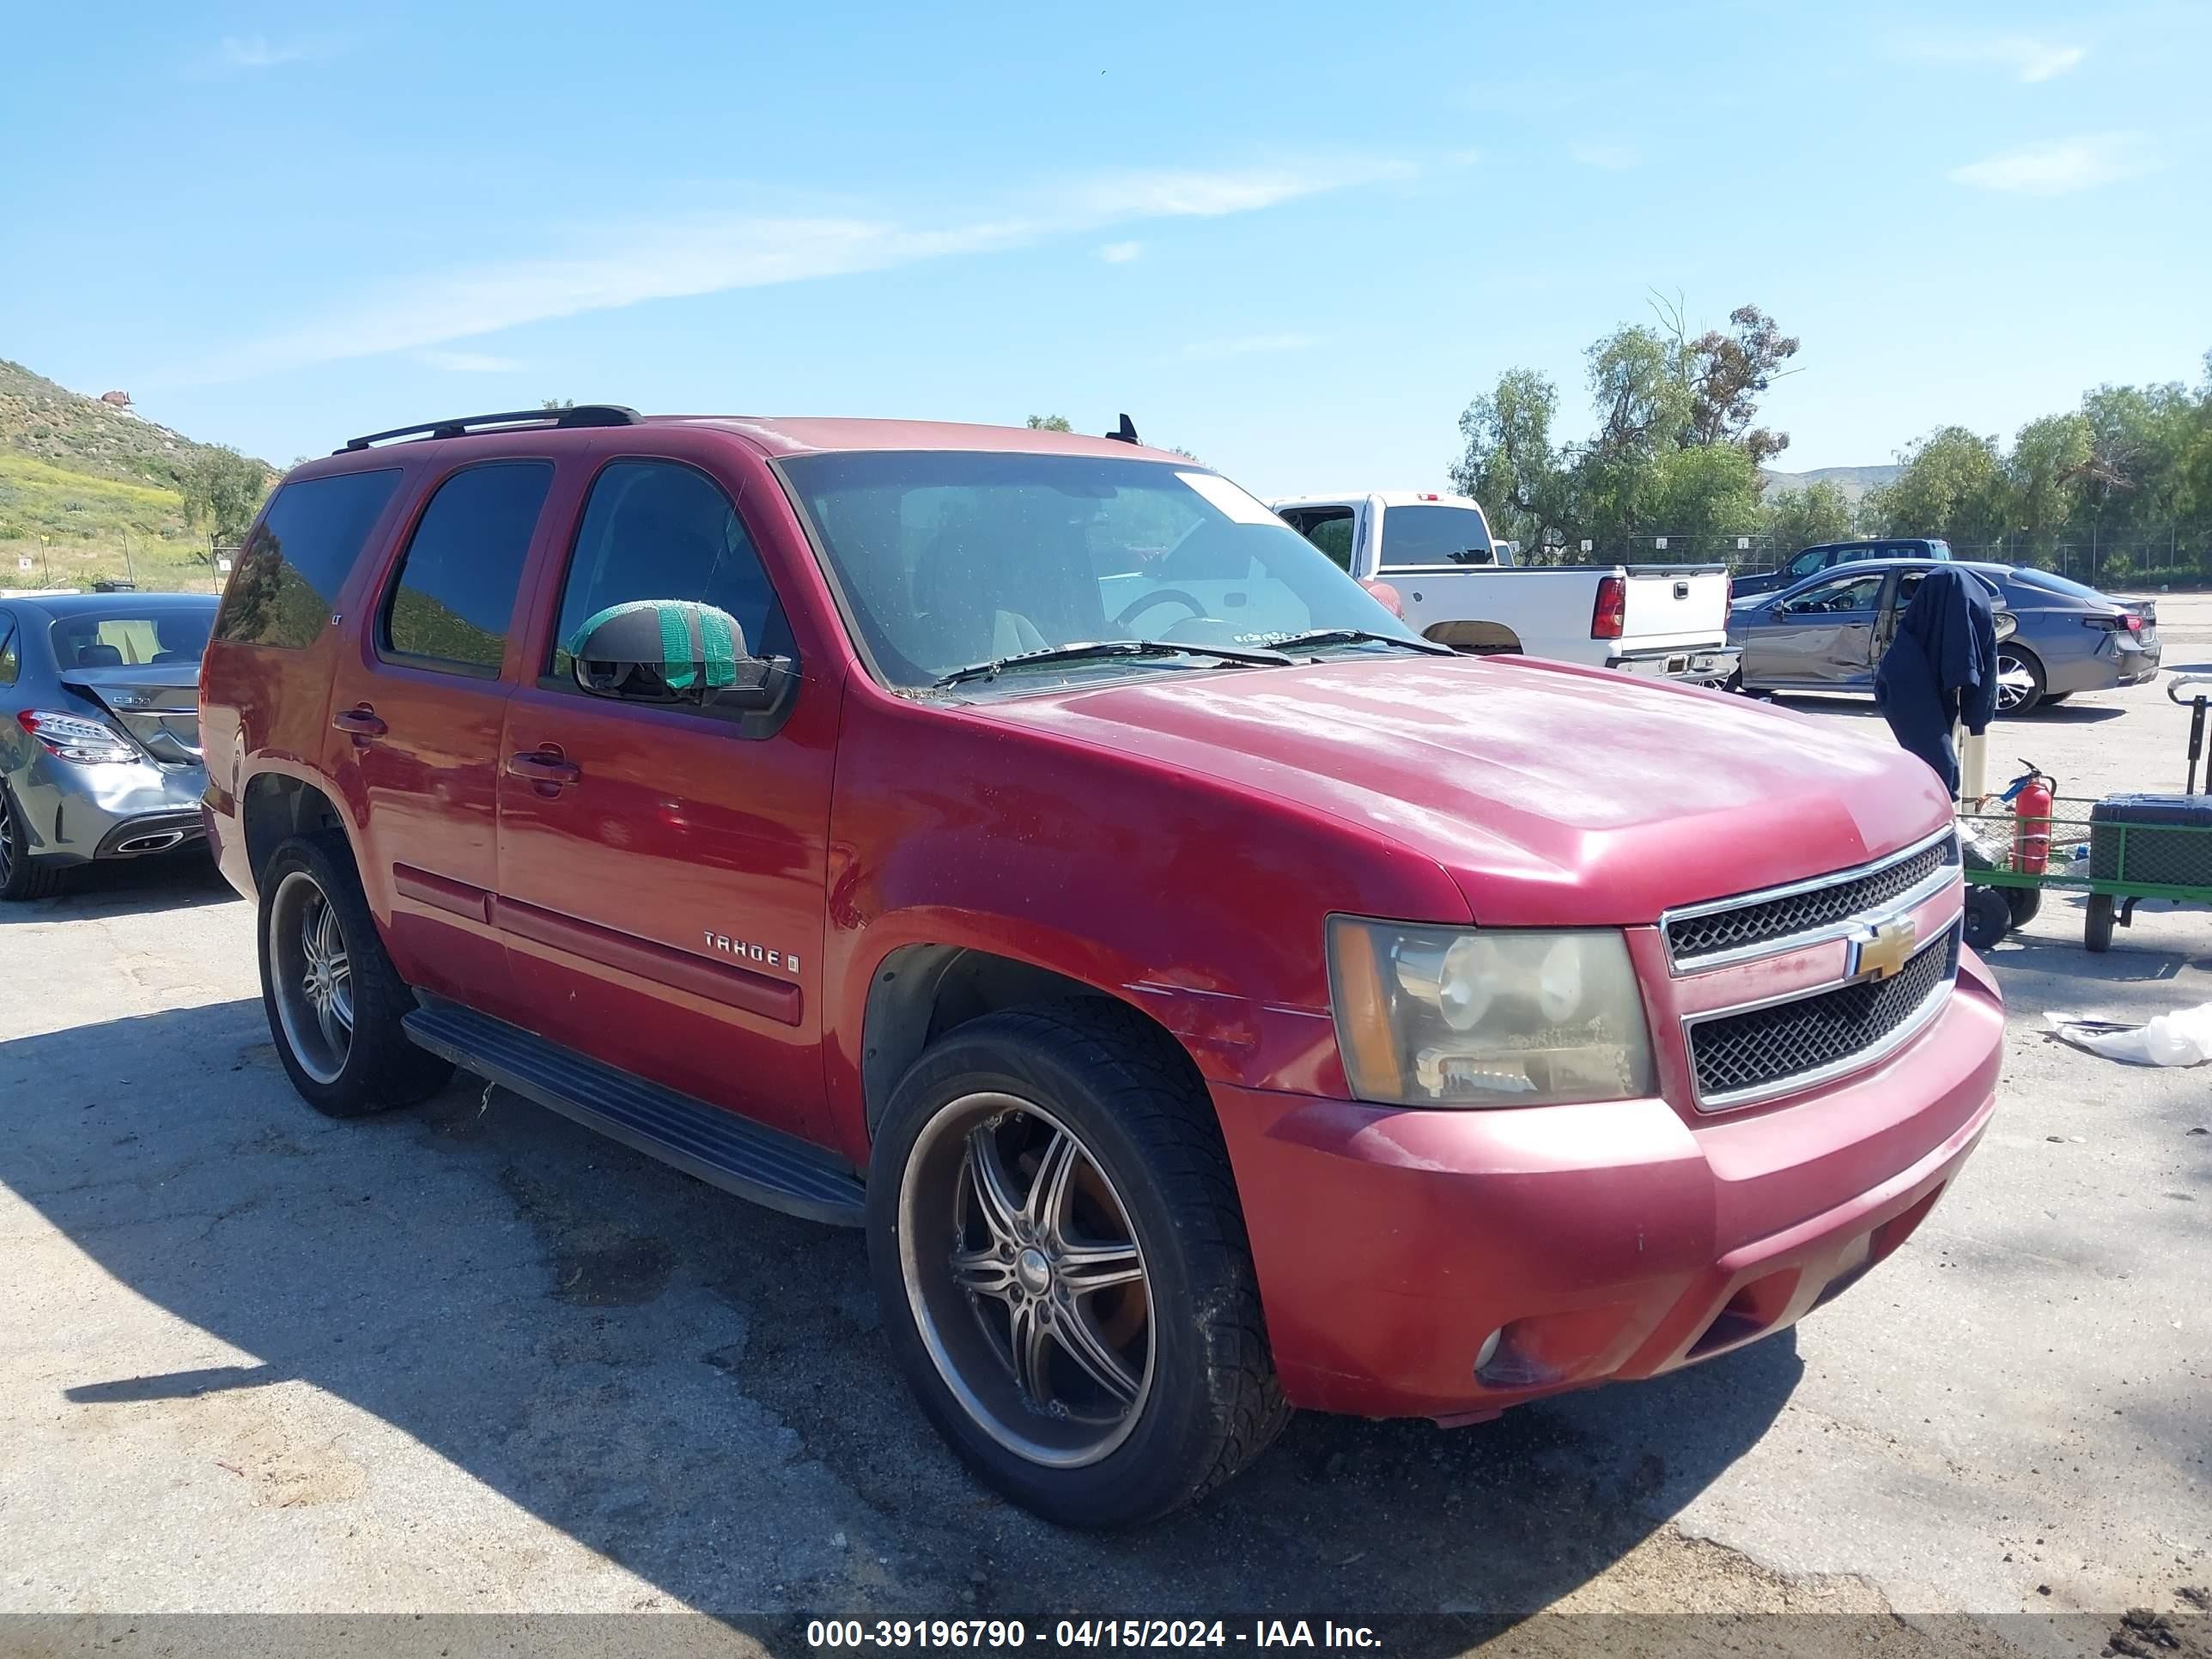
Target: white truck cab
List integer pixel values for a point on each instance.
(1456, 584)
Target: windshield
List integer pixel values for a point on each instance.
(128, 641)
(950, 558)
(1434, 535)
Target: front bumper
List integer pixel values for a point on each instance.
(74, 814)
(1603, 1242)
(1700, 665)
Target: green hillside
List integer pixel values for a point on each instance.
(89, 491)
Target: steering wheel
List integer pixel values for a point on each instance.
(1159, 596)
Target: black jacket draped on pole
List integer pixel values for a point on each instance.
(1942, 668)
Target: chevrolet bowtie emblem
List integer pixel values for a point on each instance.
(1880, 951)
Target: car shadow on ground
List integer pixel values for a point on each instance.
(160, 881)
(694, 1387)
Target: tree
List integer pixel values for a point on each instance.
(1728, 374)
(1508, 463)
(1952, 485)
(1050, 423)
(1805, 518)
(1642, 397)
(2044, 475)
(222, 491)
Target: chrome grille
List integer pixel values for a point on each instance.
(1758, 923)
(1759, 1051)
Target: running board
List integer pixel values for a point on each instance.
(720, 1147)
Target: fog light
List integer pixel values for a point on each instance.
(1488, 1350)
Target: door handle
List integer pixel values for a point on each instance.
(359, 722)
(539, 767)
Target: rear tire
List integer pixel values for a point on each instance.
(1140, 1395)
(2023, 903)
(1988, 917)
(21, 876)
(2097, 927)
(334, 999)
(2019, 681)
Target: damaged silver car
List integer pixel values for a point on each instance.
(99, 741)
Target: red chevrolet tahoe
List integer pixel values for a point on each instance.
(1209, 998)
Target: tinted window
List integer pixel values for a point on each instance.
(2064, 586)
(947, 558)
(1854, 594)
(1808, 562)
(654, 529)
(298, 556)
(126, 640)
(1328, 528)
(1434, 535)
(8, 653)
(454, 594)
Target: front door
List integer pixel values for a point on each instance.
(661, 868)
(1823, 637)
(417, 717)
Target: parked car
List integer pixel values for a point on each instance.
(1814, 560)
(1211, 997)
(100, 750)
(1455, 583)
(1827, 634)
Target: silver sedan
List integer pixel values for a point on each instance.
(1826, 634)
(100, 742)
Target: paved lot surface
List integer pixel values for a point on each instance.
(470, 1359)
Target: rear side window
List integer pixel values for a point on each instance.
(299, 556)
(453, 594)
(1434, 535)
(1328, 528)
(656, 530)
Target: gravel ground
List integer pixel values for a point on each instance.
(471, 1359)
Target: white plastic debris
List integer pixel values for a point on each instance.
(2178, 1039)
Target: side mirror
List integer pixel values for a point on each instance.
(675, 650)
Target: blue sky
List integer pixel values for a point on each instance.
(1295, 239)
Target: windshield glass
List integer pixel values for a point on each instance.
(125, 641)
(948, 558)
(1434, 535)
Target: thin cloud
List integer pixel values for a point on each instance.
(714, 252)
(2026, 56)
(2060, 167)
(467, 362)
(1250, 344)
(253, 53)
(1120, 253)
(1611, 158)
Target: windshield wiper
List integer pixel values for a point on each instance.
(1088, 650)
(1313, 636)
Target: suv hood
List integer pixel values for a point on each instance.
(1553, 795)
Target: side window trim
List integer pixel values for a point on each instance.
(402, 541)
(549, 601)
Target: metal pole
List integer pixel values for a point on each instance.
(129, 569)
(46, 559)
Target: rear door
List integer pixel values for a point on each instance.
(416, 712)
(663, 868)
(1820, 637)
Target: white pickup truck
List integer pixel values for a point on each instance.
(1457, 586)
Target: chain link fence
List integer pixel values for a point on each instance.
(2170, 558)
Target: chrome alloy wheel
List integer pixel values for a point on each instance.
(1026, 1280)
(311, 976)
(2016, 680)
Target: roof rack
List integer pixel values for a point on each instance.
(580, 415)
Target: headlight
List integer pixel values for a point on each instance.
(1460, 1017)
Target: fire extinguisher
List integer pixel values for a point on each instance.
(2031, 798)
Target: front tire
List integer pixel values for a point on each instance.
(1988, 918)
(1062, 1267)
(2096, 924)
(334, 999)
